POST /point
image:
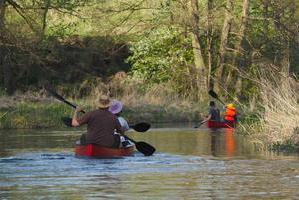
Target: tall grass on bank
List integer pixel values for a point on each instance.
(278, 124)
(33, 115)
(158, 103)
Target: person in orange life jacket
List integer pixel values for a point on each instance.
(214, 113)
(230, 113)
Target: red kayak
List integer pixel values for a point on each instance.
(215, 124)
(92, 150)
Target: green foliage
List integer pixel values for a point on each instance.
(159, 55)
(62, 29)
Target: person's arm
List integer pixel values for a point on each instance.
(119, 128)
(206, 119)
(75, 117)
(123, 123)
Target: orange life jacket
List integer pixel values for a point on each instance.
(230, 114)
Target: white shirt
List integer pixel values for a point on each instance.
(123, 123)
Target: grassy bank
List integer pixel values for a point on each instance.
(33, 115)
(45, 115)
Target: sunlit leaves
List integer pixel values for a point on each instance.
(160, 54)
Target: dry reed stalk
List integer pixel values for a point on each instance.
(281, 111)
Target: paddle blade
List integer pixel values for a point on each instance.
(67, 121)
(141, 127)
(145, 148)
(213, 94)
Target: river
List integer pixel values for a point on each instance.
(189, 164)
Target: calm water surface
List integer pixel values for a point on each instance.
(189, 164)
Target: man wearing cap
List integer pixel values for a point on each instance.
(101, 124)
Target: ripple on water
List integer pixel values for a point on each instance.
(50, 174)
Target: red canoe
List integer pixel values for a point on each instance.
(92, 150)
(215, 124)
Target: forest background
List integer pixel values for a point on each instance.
(159, 57)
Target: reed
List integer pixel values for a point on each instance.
(158, 103)
(278, 120)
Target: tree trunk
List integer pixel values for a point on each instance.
(8, 79)
(209, 42)
(2, 41)
(219, 75)
(287, 38)
(285, 62)
(266, 16)
(200, 72)
(45, 13)
(2, 14)
(235, 80)
(5, 62)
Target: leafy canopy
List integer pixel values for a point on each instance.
(160, 54)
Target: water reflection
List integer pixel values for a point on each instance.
(201, 142)
(225, 136)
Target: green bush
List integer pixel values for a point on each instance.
(160, 56)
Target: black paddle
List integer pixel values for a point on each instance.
(142, 147)
(140, 127)
(213, 94)
(60, 98)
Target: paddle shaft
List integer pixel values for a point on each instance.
(69, 103)
(60, 98)
(213, 94)
(201, 123)
(129, 139)
(220, 101)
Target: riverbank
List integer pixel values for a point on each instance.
(20, 112)
(270, 127)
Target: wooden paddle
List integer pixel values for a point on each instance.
(140, 127)
(213, 94)
(142, 147)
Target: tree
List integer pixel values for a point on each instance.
(239, 60)
(200, 67)
(220, 71)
